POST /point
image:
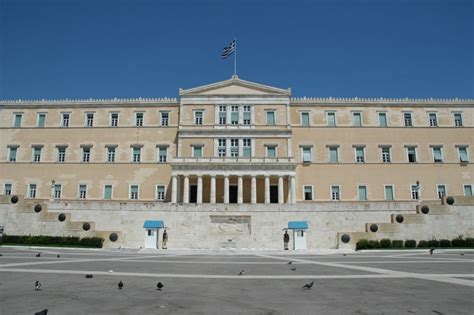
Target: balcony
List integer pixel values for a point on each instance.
(233, 160)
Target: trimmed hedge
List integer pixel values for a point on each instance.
(410, 244)
(95, 242)
(387, 243)
(397, 244)
(445, 243)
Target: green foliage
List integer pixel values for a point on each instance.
(410, 244)
(397, 243)
(423, 244)
(373, 244)
(362, 244)
(53, 240)
(445, 243)
(385, 243)
(470, 242)
(459, 242)
(433, 243)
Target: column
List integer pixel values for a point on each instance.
(280, 189)
(213, 189)
(199, 189)
(293, 189)
(253, 190)
(267, 189)
(174, 189)
(240, 191)
(186, 189)
(226, 189)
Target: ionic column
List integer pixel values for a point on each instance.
(293, 189)
(226, 189)
(213, 189)
(199, 189)
(240, 190)
(280, 189)
(174, 189)
(186, 190)
(267, 189)
(253, 189)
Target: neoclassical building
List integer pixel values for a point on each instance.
(240, 144)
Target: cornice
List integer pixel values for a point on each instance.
(92, 102)
(351, 101)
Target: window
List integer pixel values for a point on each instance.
(246, 115)
(234, 115)
(468, 190)
(61, 158)
(221, 147)
(270, 118)
(139, 119)
(271, 151)
(65, 117)
(335, 193)
(82, 191)
(114, 119)
(162, 154)
(57, 191)
(12, 151)
(386, 158)
(86, 154)
(32, 191)
(333, 155)
(110, 154)
(441, 190)
(41, 120)
(134, 192)
(165, 117)
(437, 155)
(7, 189)
(407, 119)
(307, 158)
(222, 115)
(198, 117)
(383, 120)
(89, 119)
(463, 157)
(433, 120)
(331, 116)
(197, 151)
(108, 192)
(308, 192)
(305, 119)
(17, 120)
(411, 152)
(415, 192)
(234, 147)
(360, 156)
(458, 119)
(136, 154)
(362, 190)
(357, 119)
(389, 196)
(160, 192)
(37, 154)
(246, 148)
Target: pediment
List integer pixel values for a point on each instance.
(234, 86)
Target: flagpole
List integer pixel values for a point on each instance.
(235, 57)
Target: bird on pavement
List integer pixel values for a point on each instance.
(43, 312)
(37, 286)
(343, 254)
(89, 276)
(462, 254)
(120, 285)
(38, 255)
(59, 256)
(308, 286)
(293, 269)
(431, 251)
(290, 262)
(241, 273)
(159, 286)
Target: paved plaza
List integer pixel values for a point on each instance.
(390, 282)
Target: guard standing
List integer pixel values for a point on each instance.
(286, 239)
(165, 239)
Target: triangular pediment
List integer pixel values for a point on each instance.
(235, 86)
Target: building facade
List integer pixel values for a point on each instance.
(237, 142)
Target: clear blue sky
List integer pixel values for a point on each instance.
(102, 48)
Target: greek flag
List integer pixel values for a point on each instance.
(227, 51)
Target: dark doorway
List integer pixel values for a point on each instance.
(273, 194)
(193, 193)
(233, 194)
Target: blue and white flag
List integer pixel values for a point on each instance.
(227, 51)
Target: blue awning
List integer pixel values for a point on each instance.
(298, 225)
(149, 224)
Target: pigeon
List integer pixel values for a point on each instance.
(159, 286)
(120, 285)
(344, 255)
(462, 254)
(1, 254)
(293, 269)
(290, 262)
(43, 312)
(38, 255)
(431, 251)
(308, 286)
(241, 273)
(59, 256)
(37, 286)
(89, 276)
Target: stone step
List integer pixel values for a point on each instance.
(354, 237)
(382, 227)
(106, 235)
(433, 209)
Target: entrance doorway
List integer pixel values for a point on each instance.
(273, 194)
(233, 190)
(193, 193)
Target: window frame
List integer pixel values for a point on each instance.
(114, 123)
(157, 194)
(111, 192)
(159, 156)
(79, 195)
(273, 146)
(86, 119)
(16, 148)
(139, 121)
(336, 148)
(14, 125)
(354, 115)
(136, 158)
(339, 193)
(55, 195)
(385, 192)
(461, 119)
(29, 190)
(33, 157)
(65, 123)
(273, 112)
(5, 189)
(85, 154)
(380, 122)
(130, 196)
(407, 148)
(38, 114)
(304, 193)
(331, 113)
(464, 190)
(302, 121)
(199, 122)
(61, 158)
(165, 121)
(445, 190)
(302, 149)
(410, 119)
(366, 192)
(201, 150)
(465, 147)
(433, 123)
(433, 148)
(382, 157)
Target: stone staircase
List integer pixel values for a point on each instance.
(34, 213)
(430, 220)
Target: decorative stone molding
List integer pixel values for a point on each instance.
(294, 101)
